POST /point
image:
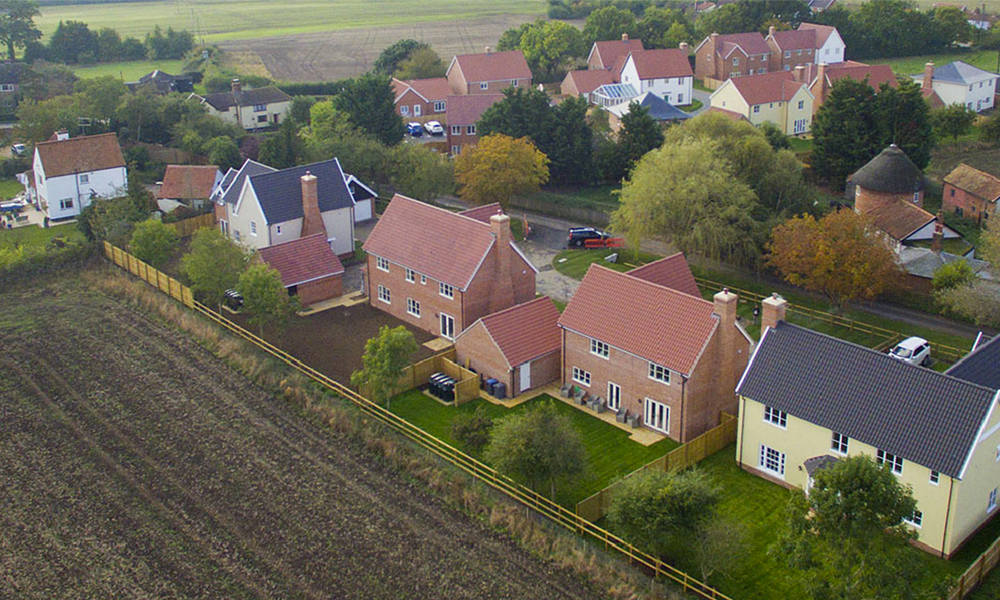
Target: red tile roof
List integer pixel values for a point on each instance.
(876, 74)
(795, 40)
(302, 260)
(526, 331)
(659, 324)
(823, 32)
(188, 182)
(751, 43)
(589, 80)
(443, 245)
(977, 182)
(657, 64)
(493, 66)
(778, 86)
(466, 110)
(432, 90)
(899, 219)
(931, 97)
(611, 50)
(80, 155)
(730, 114)
(484, 212)
(670, 272)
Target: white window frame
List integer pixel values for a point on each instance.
(448, 291)
(895, 463)
(7, 87)
(277, 229)
(788, 53)
(381, 264)
(768, 456)
(384, 294)
(775, 417)
(439, 106)
(411, 276)
(484, 85)
(736, 61)
(260, 108)
(404, 109)
(513, 83)
(935, 478)
(66, 204)
(659, 373)
(599, 348)
(470, 130)
(756, 108)
(992, 502)
(614, 396)
(413, 307)
(915, 520)
(418, 110)
(456, 130)
(85, 178)
(580, 376)
(840, 443)
(253, 228)
(423, 279)
(651, 416)
(802, 104)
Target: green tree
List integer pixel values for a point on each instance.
(388, 61)
(952, 275)
(847, 538)
(109, 45)
(111, 220)
(213, 264)
(498, 167)
(223, 153)
(538, 445)
(73, 42)
(17, 25)
(101, 97)
(953, 23)
(301, 108)
(663, 28)
(37, 121)
(689, 192)
(472, 430)
(728, 18)
(45, 80)
(571, 150)
(608, 23)
(903, 117)
(651, 507)
(844, 131)
(153, 242)
(639, 134)
(775, 136)
(284, 149)
(952, 121)
(549, 47)
(383, 362)
(138, 110)
(990, 130)
(265, 300)
(421, 173)
(976, 299)
(422, 63)
(368, 102)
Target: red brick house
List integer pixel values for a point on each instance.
(463, 118)
(791, 48)
(520, 346)
(721, 57)
(605, 55)
(190, 185)
(309, 269)
(421, 100)
(579, 84)
(441, 271)
(652, 350)
(488, 73)
(821, 78)
(971, 193)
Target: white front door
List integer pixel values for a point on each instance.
(657, 416)
(447, 327)
(417, 110)
(614, 396)
(525, 377)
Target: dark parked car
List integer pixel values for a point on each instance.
(578, 236)
(415, 129)
(234, 300)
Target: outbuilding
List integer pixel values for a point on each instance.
(308, 267)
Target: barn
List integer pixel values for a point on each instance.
(520, 346)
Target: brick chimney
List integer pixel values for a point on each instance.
(937, 242)
(684, 47)
(773, 309)
(725, 306)
(821, 81)
(237, 86)
(488, 50)
(503, 284)
(800, 74)
(770, 30)
(624, 37)
(312, 219)
(928, 82)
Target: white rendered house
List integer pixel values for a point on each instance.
(68, 174)
(961, 83)
(666, 73)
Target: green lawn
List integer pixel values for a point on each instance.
(695, 105)
(10, 188)
(610, 452)
(37, 237)
(698, 85)
(801, 145)
(598, 197)
(217, 20)
(128, 70)
(913, 65)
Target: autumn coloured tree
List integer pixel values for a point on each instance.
(840, 256)
(498, 167)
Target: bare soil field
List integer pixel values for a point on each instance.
(137, 465)
(348, 52)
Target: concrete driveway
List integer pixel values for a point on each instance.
(703, 96)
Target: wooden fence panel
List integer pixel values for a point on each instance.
(466, 390)
(189, 226)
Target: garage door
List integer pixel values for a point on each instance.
(362, 210)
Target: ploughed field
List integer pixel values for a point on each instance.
(137, 465)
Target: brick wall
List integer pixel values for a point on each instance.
(319, 290)
(476, 349)
(965, 204)
(709, 64)
(480, 298)
(866, 199)
(462, 140)
(432, 303)
(544, 370)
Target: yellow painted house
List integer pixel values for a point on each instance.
(773, 97)
(807, 399)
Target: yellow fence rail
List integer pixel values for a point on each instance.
(189, 226)
(595, 507)
(479, 471)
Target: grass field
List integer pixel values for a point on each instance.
(37, 237)
(130, 70)
(218, 20)
(10, 188)
(610, 454)
(913, 65)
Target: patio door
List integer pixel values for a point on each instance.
(525, 377)
(447, 326)
(657, 416)
(614, 396)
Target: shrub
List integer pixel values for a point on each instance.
(472, 430)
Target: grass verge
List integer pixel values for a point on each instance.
(37, 237)
(695, 105)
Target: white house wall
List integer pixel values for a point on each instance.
(675, 90)
(240, 220)
(340, 229)
(832, 51)
(106, 183)
(979, 98)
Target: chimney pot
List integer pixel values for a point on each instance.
(684, 47)
(773, 310)
(237, 86)
(624, 37)
(487, 49)
(770, 30)
(937, 242)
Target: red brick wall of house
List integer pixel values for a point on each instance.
(459, 85)
(709, 64)
(865, 199)
(319, 290)
(480, 297)
(972, 206)
(432, 303)
(220, 212)
(544, 370)
(476, 349)
(428, 113)
(778, 61)
(463, 139)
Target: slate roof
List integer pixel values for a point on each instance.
(611, 50)
(302, 260)
(778, 86)
(82, 154)
(492, 66)
(466, 110)
(484, 212)
(959, 72)
(658, 108)
(222, 101)
(432, 90)
(670, 272)
(981, 366)
(231, 193)
(671, 328)
(589, 80)
(818, 463)
(445, 246)
(163, 82)
(280, 192)
(979, 183)
(526, 331)
(923, 262)
(891, 171)
(658, 64)
(921, 415)
(188, 182)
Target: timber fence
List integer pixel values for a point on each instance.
(481, 472)
(595, 507)
(419, 373)
(189, 226)
(976, 572)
